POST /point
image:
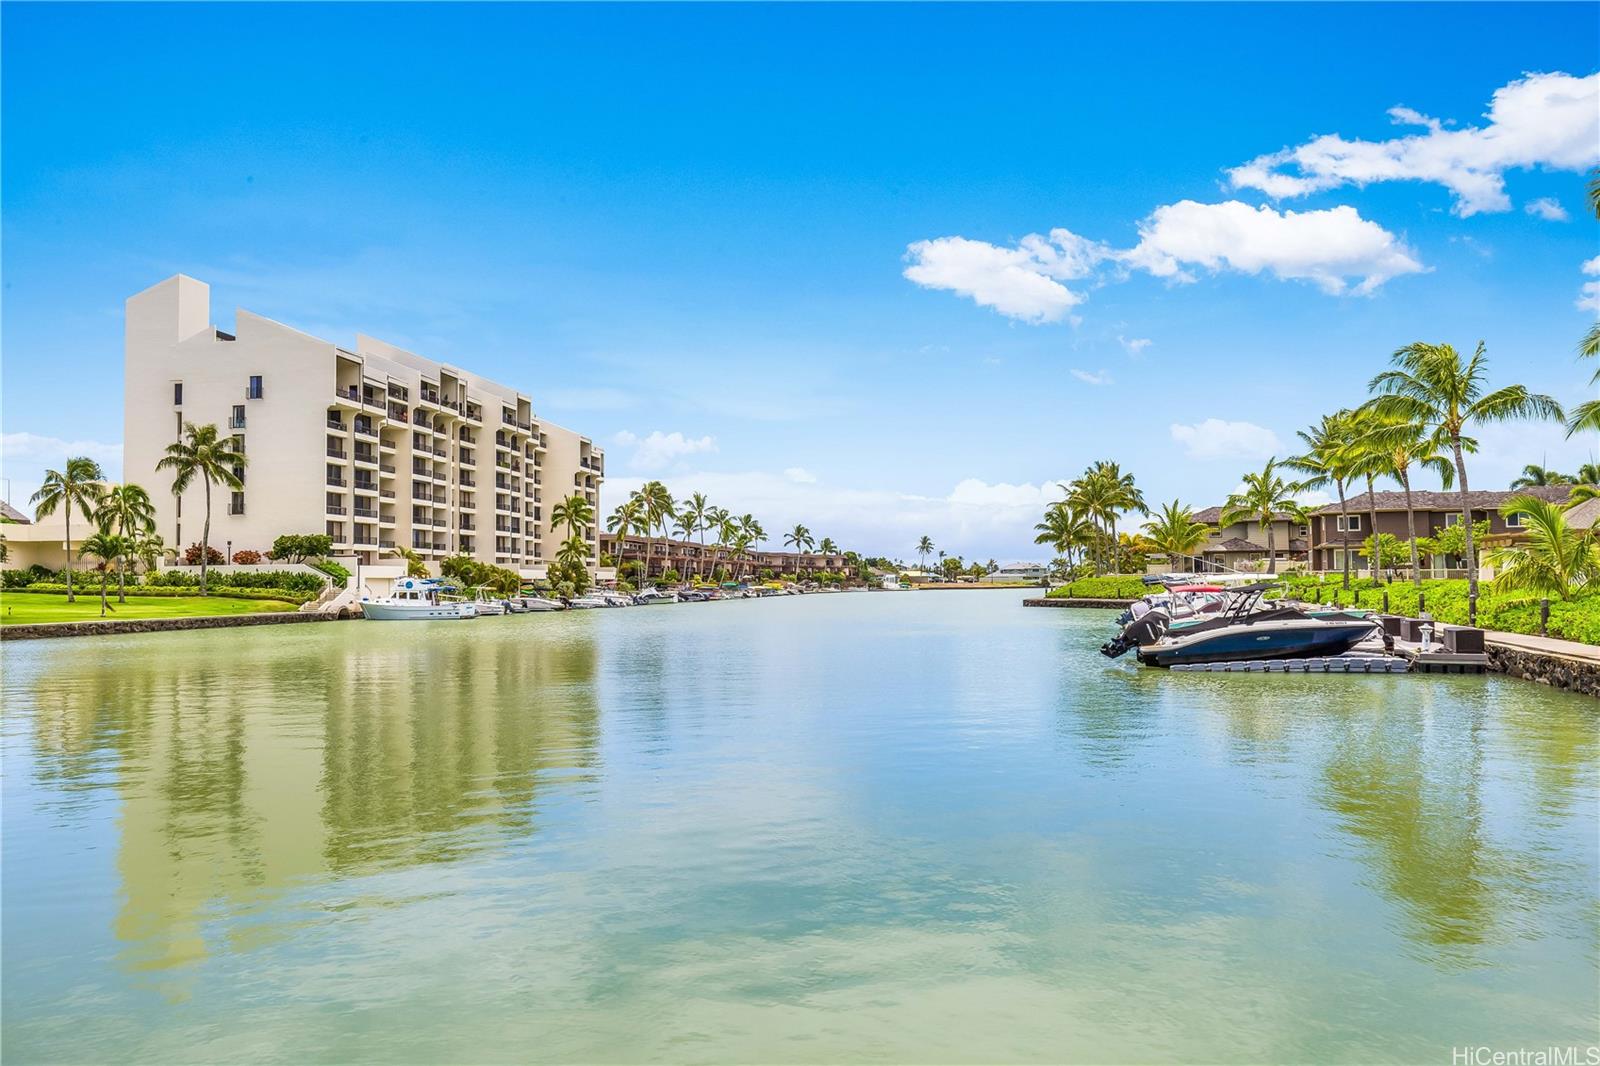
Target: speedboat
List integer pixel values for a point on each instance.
(414, 599)
(652, 596)
(1182, 601)
(487, 604)
(693, 596)
(588, 602)
(1247, 627)
(540, 603)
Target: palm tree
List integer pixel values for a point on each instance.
(828, 547)
(76, 485)
(716, 523)
(1589, 474)
(127, 509)
(149, 549)
(1265, 493)
(107, 547)
(575, 512)
(1432, 387)
(696, 511)
(415, 567)
(738, 544)
(727, 531)
(657, 508)
(1553, 559)
(1403, 445)
(800, 539)
(1327, 460)
(205, 454)
(623, 521)
(924, 549)
(1534, 476)
(1175, 531)
(753, 529)
(1064, 529)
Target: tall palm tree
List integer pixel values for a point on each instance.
(753, 529)
(657, 507)
(1432, 387)
(575, 512)
(716, 522)
(924, 549)
(108, 547)
(696, 510)
(1063, 529)
(828, 547)
(727, 532)
(1175, 531)
(1327, 460)
(1403, 445)
(205, 454)
(1589, 474)
(127, 510)
(1552, 559)
(623, 521)
(1264, 494)
(75, 486)
(738, 546)
(800, 539)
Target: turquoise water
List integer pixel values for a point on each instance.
(930, 826)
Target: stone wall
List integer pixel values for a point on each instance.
(1077, 601)
(110, 626)
(1557, 671)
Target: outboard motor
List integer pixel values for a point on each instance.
(1138, 609)
(1147, 627)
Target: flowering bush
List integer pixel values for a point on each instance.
(191, 556)
(246, 557)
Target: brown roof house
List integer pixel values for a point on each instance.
(1243, 545)
(1330, 538)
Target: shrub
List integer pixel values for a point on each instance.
(670, 576)
(338, 573)
(15, 579)
(281, 595)
(246, 557)
(1108, 587)
(173, 579)
(191, 555)
(300, 547)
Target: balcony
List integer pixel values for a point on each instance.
(372, 399)
(367, 512)
(335, 509)
(365, 486)
(386, 543)
(387, 494)
(398, 413)
(348, 397)
(467, 525)
(368, 458)
(366, 542)
(337, 482)
(468, 482)
(386, 469)
(366, 429)
(338, 453)
(335, 424)
(386, 444)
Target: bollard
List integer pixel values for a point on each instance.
(1385, 601)
(1544, 617)
(1422, 602)
(1427, 636)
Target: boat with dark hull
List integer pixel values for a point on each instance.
(1247, 628)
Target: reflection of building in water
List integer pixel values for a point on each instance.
(341, 755)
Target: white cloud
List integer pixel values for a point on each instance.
(1542, 120)
(1218, 439)
(1547, 208)
(1133, 345)
(1325, 247)
(800, 475)
(1023, 282)
(1331, 248)
(1589, 292)
(24, 457)
(659, 450)
(1098, 377)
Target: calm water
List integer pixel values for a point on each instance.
(931, 827)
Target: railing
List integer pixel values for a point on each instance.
(387, 468)
(334, 423)
(382, 543)
(365, 429)
(467, 482)
(366, 457)
(387, 494)
(365, 486)
(334, 508)
(337, 453)
(366, 512)
(337, 482)
(350, 394)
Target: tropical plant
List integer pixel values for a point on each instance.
(1401, 446)
(575, 512)
(1534, 476)
(1174, 530)
(1264, 494)
(1551, 559)
(1329, 459)
(624, 520)
(738, 549)
(799, 538)
(205, 454)
(246, 557)
(298, 547)
(828, 547)
(694, 513)
(924, 549)
(1432, 387)
(76, 486)
(1065, 529)
(149, 549)
(108, 547)
(126, 510)
(657, 508)
(415, 567)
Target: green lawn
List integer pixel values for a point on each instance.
(18, 608)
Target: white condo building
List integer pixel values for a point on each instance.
(375, 446)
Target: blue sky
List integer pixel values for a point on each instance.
(688, 230)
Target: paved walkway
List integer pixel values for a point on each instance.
(1569, 649)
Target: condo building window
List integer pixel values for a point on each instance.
(1350, 524)
(253, 390)
(236, 421)
(236, 503)
(177, 394)
(1514, 520)
(1452, 519)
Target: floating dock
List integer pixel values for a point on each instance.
(1337, 664)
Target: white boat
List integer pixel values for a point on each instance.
(413, 599)
(487, 604)
(590, 601)
(651, 596)
(614, 599)
(539, 603)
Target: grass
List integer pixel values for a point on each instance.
(30, 608)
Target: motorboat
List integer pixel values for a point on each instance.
(1247, 627)
(541, 603)
(1182, 602)
(587, 602)
(487, 604)
(414, 599)
(693, 596)
(654, 596)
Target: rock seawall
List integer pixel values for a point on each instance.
(1076, 601)
(1557, 671)
(114, 626)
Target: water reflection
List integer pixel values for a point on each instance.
(324, 756)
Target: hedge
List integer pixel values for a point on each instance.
(1109, 587)
(288, 580)
(93, 589)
